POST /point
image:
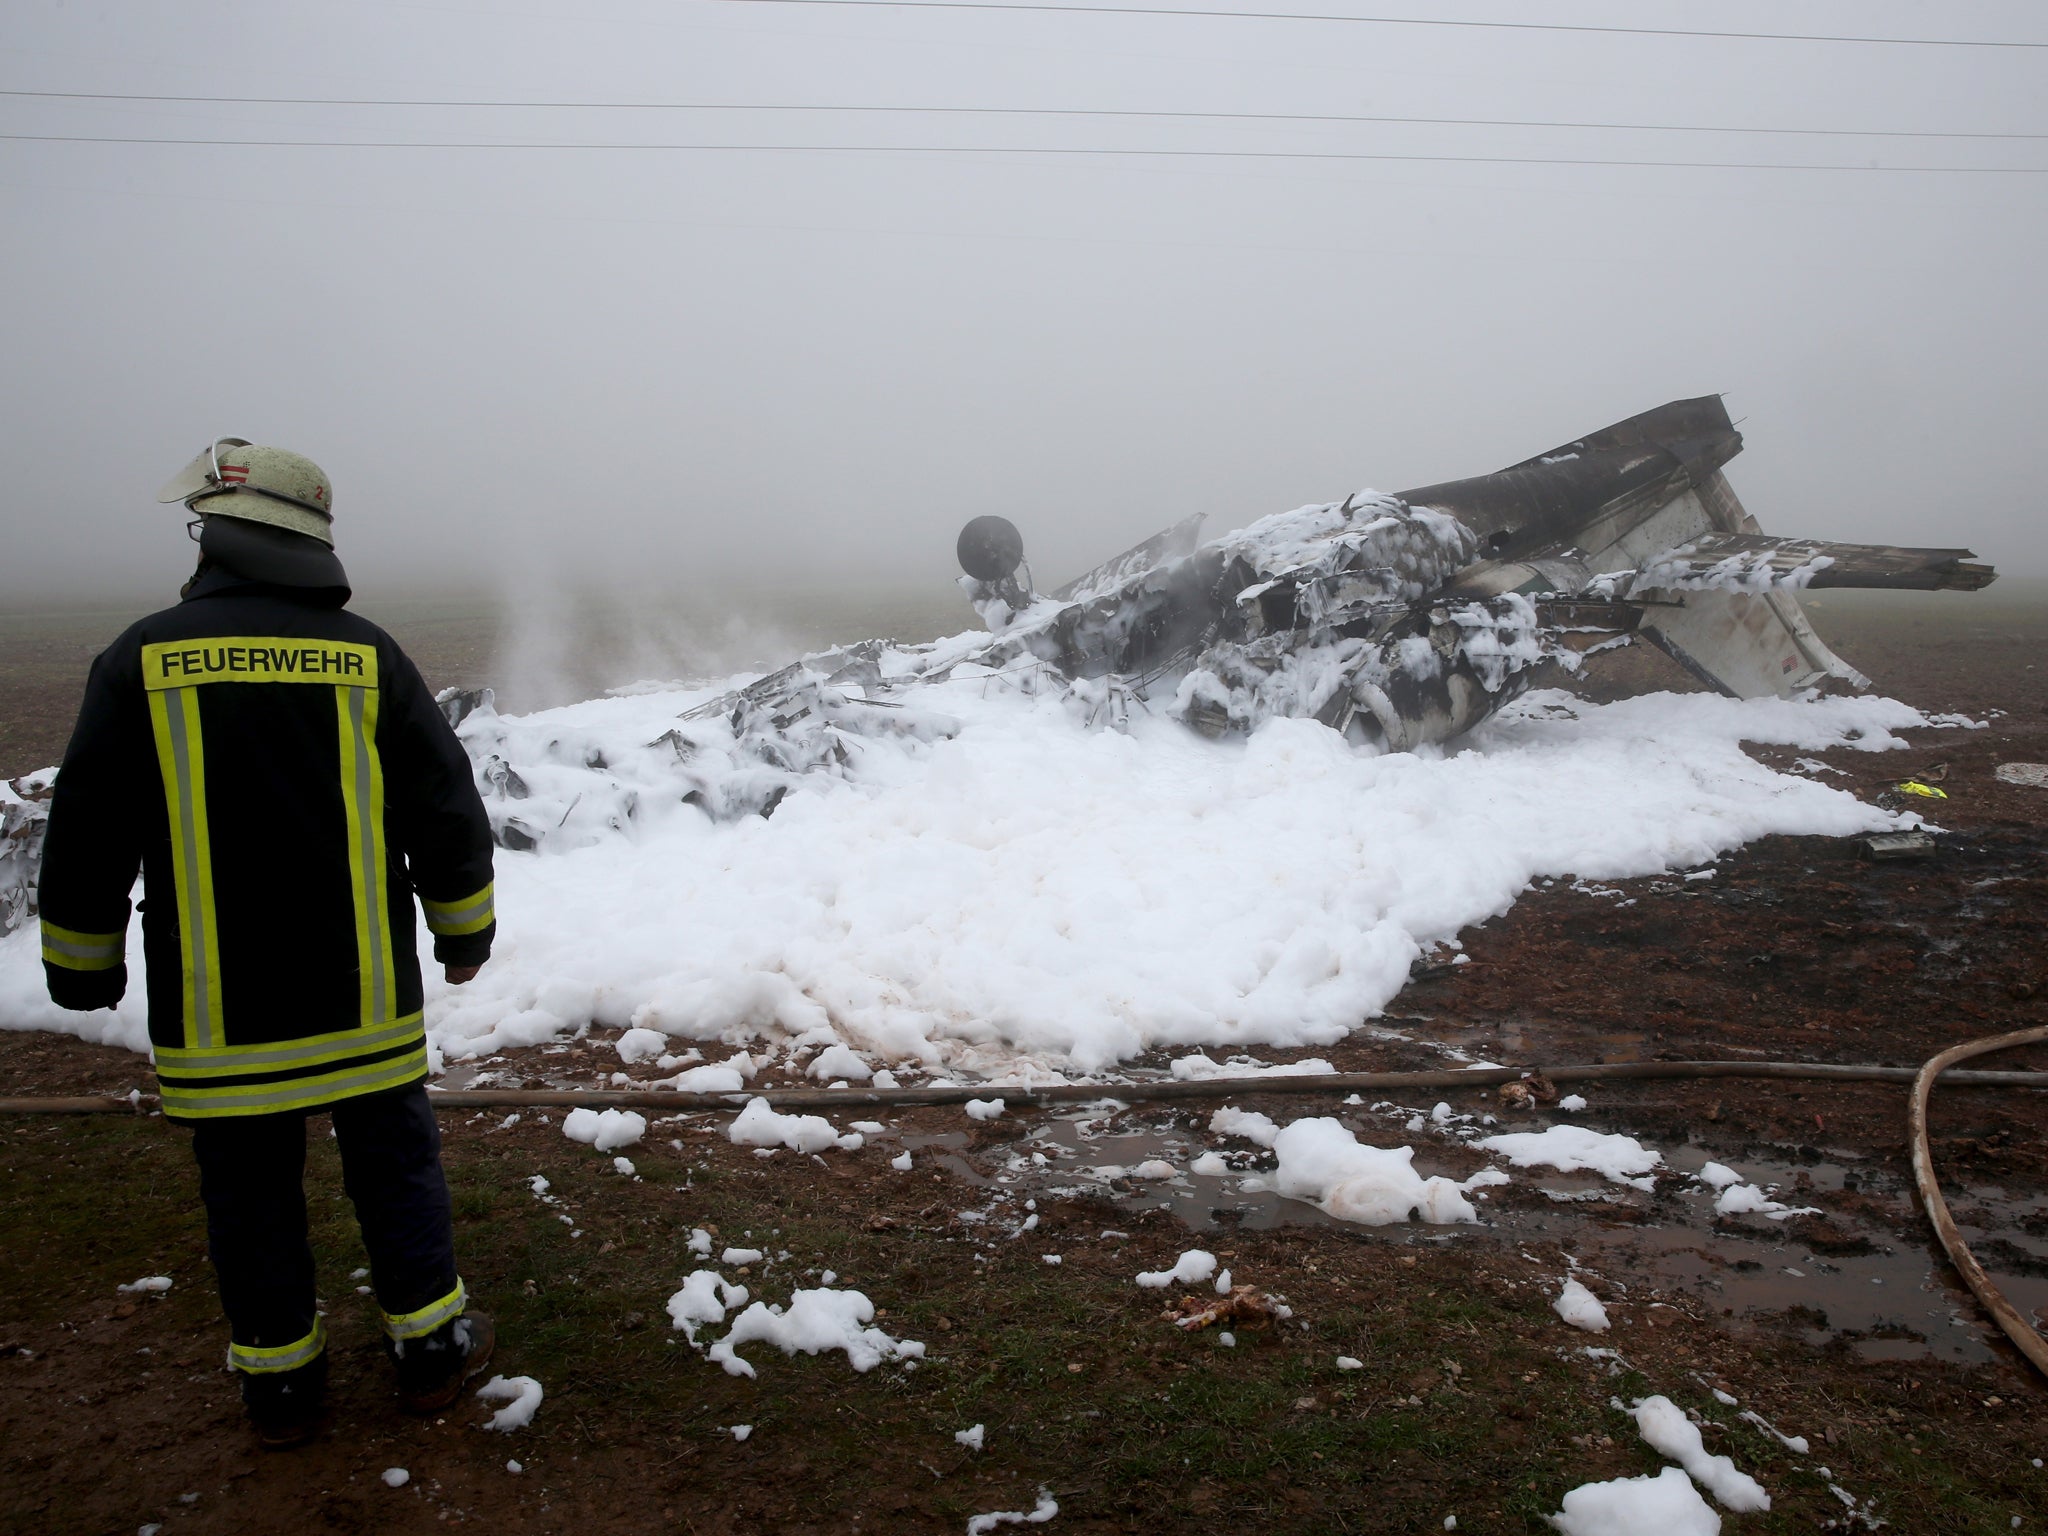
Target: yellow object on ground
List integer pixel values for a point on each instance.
(1915, 787)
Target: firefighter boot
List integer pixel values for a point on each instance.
(432, 1369)
(285, 1406)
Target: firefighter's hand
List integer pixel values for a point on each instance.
(458, 974)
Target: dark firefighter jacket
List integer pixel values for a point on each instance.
(279, 771)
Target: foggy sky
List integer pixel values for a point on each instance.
(674, 368)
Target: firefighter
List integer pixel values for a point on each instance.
(278, 771)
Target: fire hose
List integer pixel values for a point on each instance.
(1130, 1093)
(2025, 1337)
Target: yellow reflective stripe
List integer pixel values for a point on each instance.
(286, 1357)
(77, 951)
(362, 793)
(298, 1093)
(416, 1325)
(258, 659)
(174, 719)
(472, 914)
(311, 1051)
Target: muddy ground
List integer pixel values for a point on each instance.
(1472, 1399)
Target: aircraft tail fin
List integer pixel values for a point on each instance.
(1744, 644)
(1725, 605)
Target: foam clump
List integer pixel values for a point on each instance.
(1581, 1308)
(1573, 1148)
(604, 1129)
(1044, 1510)
(1747, 1199)
(815, 1321)
(1200, 1066)
(758, 1125)
(1249, 1124)
(521, 1396)
(705, 1298)
(1667, 1431)
(641, 1045)
(713, 1079)
(839, 1061)
(1192, 1268)
(1664, 1505)
(1322, 1162)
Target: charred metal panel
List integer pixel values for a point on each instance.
(22, 824)
(1724, 508)
(1168, 544)
(1615, 477)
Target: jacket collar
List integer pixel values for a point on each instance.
(219, 581)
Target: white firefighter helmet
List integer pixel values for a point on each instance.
(233, 477)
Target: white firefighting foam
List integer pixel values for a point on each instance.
(1008, 890)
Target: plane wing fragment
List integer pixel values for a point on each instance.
(1751, 562)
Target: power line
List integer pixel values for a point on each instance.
(922, 111)
(1407, 21)
(1069, 152)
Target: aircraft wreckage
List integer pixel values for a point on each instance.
(1409, 618)
(1399, 620)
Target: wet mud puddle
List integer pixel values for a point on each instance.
(1846, 1273)
(1850, 1273)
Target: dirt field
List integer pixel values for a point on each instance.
(1472, 1399)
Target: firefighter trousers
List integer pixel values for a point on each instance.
(251, 1177)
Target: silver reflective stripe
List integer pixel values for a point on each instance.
(439, 914)
(414, 1325)
(99, 951)
(368, 835)
(239, 1059)
(192, 897)
(177, 1098)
